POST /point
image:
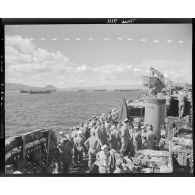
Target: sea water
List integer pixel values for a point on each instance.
(59, 110)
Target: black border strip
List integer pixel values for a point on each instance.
(2, 100)
(42, 21)
(28, 21)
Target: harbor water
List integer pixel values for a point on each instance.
(59, 110)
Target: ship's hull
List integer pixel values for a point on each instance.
(24, 91)
(39, 92)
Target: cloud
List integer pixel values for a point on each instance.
(28, 64)
(169, 41)
(143, 40)
(129, 39)
(180, 41)
(156, 41)
(77, 39)
(66, 39)
(54, 39)
(106, 38)
(136, 69)
(120, 38)
(90, 39)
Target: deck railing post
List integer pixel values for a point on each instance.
(48, 147)
(23, 147)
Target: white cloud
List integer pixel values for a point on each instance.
(180, 41)
(129, 39)
(143, 40)
(77, 39)
(25, 62)
(28, 64)
(169, 41)
(82, 68)
(120, 38)
(90, 39)
(106, 39)
(54, 39)
(136, 69)
(43, 39)
(156, 41)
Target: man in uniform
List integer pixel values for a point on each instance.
(94, 145)
(86, 131)
(150, 138)
(104, 136)
(65, 153)
(103, 160)
(137, 139)
(124, 129)
(115, 138)
(182, 101)
(125, 137)
(168, 104)
(78, 148)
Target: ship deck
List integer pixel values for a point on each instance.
(81, 168)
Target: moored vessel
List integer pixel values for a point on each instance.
(40, 91)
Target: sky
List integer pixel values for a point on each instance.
(90, 55)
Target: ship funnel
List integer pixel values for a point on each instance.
(155, 114)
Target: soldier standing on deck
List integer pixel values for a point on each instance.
(137, 139)
(182, 101)
(78, 148)
(150, 138)
(103, 160)
(86, 131)
(115, 138)
(94, 146)
(65, 154)
(168, 104)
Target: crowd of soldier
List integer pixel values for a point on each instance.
(106, 142)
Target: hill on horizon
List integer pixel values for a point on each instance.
(18, 87)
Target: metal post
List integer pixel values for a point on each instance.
(23, 147)
(48, 148)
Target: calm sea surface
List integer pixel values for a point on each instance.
(58, 110)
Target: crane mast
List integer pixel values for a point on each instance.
(155, 81)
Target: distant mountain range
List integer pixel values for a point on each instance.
(103, 87)
(18, 87)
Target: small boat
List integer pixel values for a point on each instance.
(24, 91)
(39, 91)
(100, 90)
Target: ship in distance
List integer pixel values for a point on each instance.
(43, 90)
(99, 90)
(37, 91)
(126, 89)
(24, 91)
